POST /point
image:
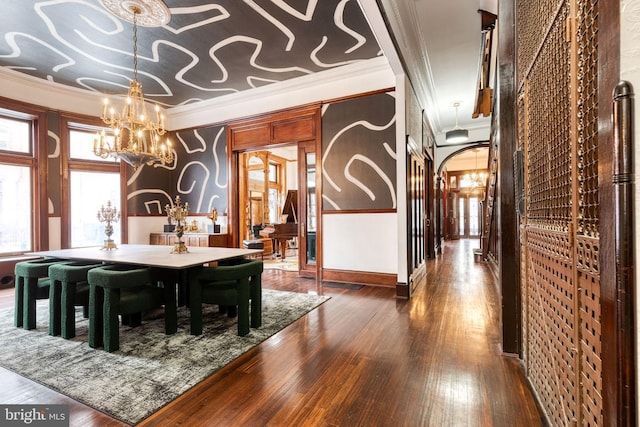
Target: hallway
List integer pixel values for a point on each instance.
(361, 359)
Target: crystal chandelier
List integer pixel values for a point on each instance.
(476, 178)
(136, 137)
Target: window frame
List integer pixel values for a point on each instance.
(70, 123)
(36, 160)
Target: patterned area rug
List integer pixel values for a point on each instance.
(288, 264)
(151, 368)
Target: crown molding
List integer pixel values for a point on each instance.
(352, 79)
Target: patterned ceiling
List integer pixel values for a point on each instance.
(207, 49)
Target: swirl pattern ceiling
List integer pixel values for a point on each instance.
(206, 50)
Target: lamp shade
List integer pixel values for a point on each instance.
(457, 135)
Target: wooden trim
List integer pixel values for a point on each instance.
(261, 133)
(359, 277)
(509, 262)
(37, 160)
(40, 205)
(618, 373)
(359, 95)
(358, 211)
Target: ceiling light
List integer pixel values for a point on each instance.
(457, 134)
(136, 138)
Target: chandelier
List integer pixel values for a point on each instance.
(136, 138)
(476, 178)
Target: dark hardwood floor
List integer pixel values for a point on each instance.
(363, 358)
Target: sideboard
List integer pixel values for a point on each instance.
(190, 239)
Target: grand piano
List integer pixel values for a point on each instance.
(287, 230)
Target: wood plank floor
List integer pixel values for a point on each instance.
(361, 359)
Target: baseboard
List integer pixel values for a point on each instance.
(360, 277)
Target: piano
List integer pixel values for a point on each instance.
(287, 230)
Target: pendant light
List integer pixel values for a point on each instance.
(457, 134)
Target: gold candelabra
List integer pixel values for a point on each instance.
(215, 227)
(179, 213)
(108, 214)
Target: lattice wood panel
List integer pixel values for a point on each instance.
(590, 344)
(552, 338)
(587, 106)
(537, 17)
(549, 132)
(558, 130)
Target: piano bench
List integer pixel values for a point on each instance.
(254, 244)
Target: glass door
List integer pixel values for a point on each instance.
(308, 210)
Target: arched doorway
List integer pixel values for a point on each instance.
(464, 174)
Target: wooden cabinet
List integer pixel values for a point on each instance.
(190, 239)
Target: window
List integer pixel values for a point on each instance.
(92, 183)
(273, 173)
(85, 201)
(81, 143)
(17, 164)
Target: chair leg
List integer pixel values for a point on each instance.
(111, 320)
(18, 317)
(170, 309)
(195, 307)
(243, 309)
(68, 310)
(96, 301)
(29, 302)
(256, 306)
(54, 307)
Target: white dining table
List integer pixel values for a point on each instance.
(154, 256)
(150, 255)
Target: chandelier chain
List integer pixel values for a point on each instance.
(135, 43)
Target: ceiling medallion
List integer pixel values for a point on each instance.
(149, 13)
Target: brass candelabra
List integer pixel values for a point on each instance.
(178, 212)
(108, 215)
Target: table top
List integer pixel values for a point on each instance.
(150, 255)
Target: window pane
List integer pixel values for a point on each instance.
(273, 173)
(81, 146)
(15, 209)
(461, 217)
(15, 135)
(474, 219)
(90, 191)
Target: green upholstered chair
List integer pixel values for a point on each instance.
(32, 283)
(235, 285)
(68, 288)
(128, 291)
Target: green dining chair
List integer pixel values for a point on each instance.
(126, 291)
(237, 285)
(32, 284)
(68, 288)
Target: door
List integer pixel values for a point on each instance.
(308, 210)
(468, 215)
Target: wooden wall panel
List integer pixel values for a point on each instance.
(558, 133)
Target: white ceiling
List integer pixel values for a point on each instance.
(439, 42)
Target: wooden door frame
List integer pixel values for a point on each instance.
(294, 126)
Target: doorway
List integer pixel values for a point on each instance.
(277, 200)
(469, 215)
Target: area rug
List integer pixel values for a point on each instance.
(151, 368)
(287, 264)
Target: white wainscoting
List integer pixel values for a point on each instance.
(360, 242)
